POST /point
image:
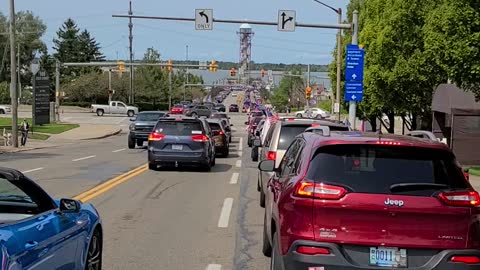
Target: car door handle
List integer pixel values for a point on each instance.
(31, 245)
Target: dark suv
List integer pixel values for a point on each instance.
(359, 201)
(142, 126)
(181, 141)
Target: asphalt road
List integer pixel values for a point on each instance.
(169, 219)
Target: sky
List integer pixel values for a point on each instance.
(170, 38)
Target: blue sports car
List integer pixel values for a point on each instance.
(37, 232)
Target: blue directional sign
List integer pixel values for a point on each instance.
(354, 73)
(353, 91)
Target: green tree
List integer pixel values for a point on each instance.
(451, 39)
(66, 44)
(89, 48)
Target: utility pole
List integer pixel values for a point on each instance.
(109, 86)
(308, 85)
(169, 90)
(19, 83)
(13, 76)
(339, 60)
(184, 88)
(130, 37)
(352, 109)
(57, 89)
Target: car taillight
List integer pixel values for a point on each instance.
(220, 133)
(199, 138)
(313, 250)
(272, 155)
(465, 259)
(156, 136)
(319, 191)
(461, 198)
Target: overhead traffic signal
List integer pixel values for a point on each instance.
(169, 65)
(232, 72)
(263, 72)
(213, 66)
(308, 92)
(121, 66)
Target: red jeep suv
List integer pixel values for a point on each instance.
(350, 200)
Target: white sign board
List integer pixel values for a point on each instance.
(203, 19)
(203, 65)
(286, 20)
(336, 108)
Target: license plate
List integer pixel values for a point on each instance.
(177, 147)
(388, 257)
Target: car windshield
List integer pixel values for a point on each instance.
(179, 128)
(387, 170)
(147, 117)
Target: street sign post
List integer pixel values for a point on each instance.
(286, 20)
(354, 73)
(204, 19)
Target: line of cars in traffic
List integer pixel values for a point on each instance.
(341, 199)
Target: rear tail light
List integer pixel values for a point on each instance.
(315, 125)
(220, 133)
(156, 136)
(319, 191)
(272, 155)
(313, 250)
(199, 138)
(462, 198)
(465, 259)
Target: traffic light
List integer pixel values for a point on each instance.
(232, 72)
(213, 66)
(169, 65)
(121, 66)
(263, 72)
(308, 92)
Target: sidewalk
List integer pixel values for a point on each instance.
(84, 132)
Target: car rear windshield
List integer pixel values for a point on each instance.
(289, 132)
(179, 128)
(234, 105)
(149, 116)
(214, 126)
(219, 115)
(387, 169)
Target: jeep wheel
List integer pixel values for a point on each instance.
(100, 112)
(130, 113)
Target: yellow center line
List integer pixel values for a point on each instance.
(109, 184)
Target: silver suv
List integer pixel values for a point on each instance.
(279, 137)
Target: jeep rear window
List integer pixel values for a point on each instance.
(179, 128)
(214, 126)
(289, 132)
(149, 116)
(375, 169)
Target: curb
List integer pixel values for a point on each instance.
(116, 132)
(26, 149)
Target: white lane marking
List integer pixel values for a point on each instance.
(214, 267)
(234, 178)
(240, 142)
(33, 170)
(118, 150)
(83, 158)
(240, 153)
(225, 214)
(238, 164)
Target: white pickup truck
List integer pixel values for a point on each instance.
(115, 107)
(4, 109)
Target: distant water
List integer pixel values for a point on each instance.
(210, 77)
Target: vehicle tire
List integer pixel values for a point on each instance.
(258, 184)
(139, 143)
(100, 112)
(130, 113)
(2, 111)
(230, 139)
(214, 161)
(255, 153)
(275, 261)
(131, 143)
(249, 141)
(152, 166)
(194, 114)
(266, 246)
(226, 152)
(207, 167)
(94, 254)
(262, 198)
(299, 115)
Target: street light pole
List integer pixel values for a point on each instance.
(184, 88)
(13, 76)
(339, 54)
